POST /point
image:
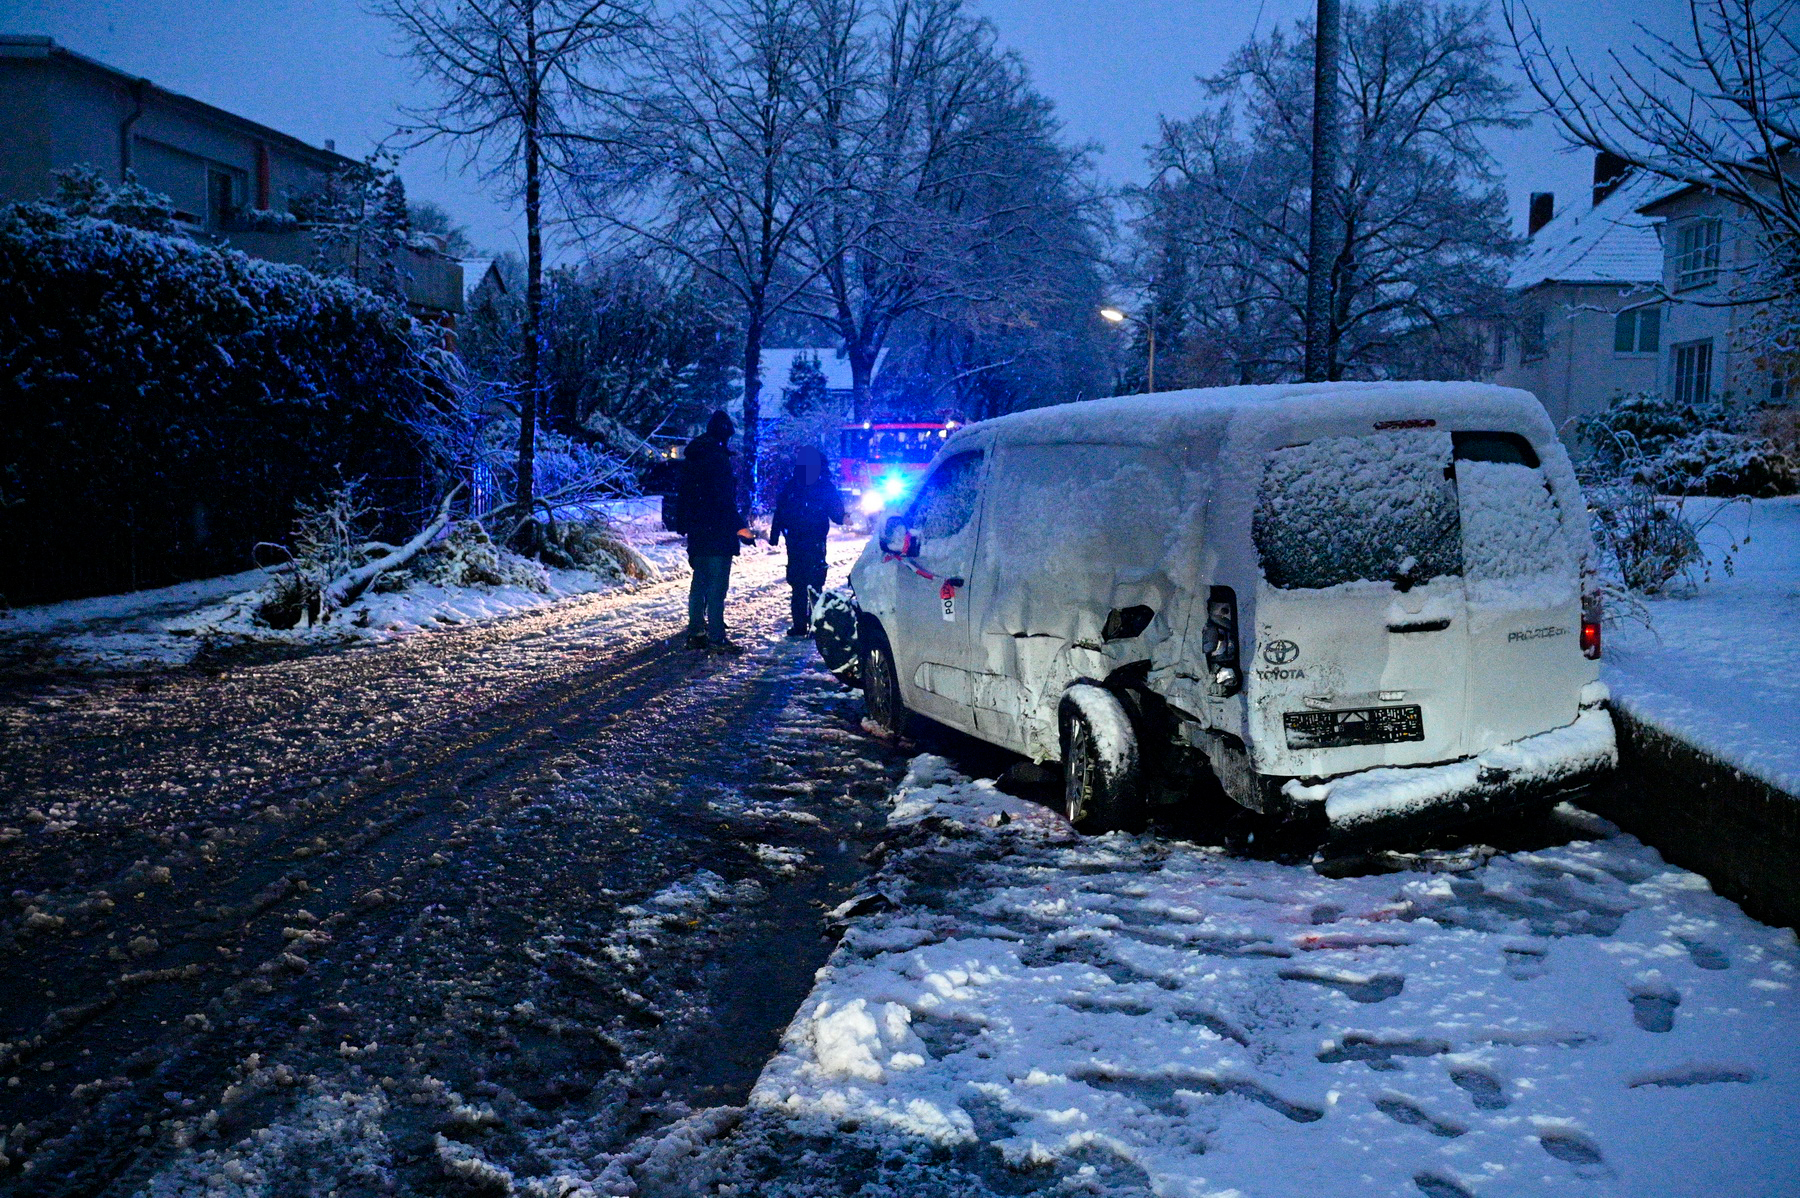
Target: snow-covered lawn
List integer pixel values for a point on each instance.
(1721, 670)
(1124, 1016)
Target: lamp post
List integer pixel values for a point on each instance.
(1120, 316)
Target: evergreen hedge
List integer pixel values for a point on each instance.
(163, 404)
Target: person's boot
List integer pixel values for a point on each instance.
(799, 630)
(696, 640)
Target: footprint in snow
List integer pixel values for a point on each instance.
(1482, 1087)
(1355, 987)
(1572, 1148)
(1379, 1053)
(1524, 964)
(1654, 1010)
(1401, 1109)
(1434, 1186)
(1706, 956)
(1696, 1075)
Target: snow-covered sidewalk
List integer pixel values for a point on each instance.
(1043, 1013)
(1721, 670)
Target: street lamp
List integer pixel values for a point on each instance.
(1120, 316)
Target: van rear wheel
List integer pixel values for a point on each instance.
(1102, 790)
(881, 683)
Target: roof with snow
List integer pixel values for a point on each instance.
(1608, 242)
(778, 367)
(474, 271)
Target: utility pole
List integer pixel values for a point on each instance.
(1320, 247)
(1150, 328)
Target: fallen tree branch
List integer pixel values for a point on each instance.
(345, 588)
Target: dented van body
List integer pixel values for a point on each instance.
(1356, 601)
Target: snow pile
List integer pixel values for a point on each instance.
(1721, 669)
(1118, 1016)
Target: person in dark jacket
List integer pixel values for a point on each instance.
(707, 514)
(807, 508)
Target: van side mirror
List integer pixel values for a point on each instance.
(898, 539)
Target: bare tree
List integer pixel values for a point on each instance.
(1719, 110)
(515, 77)
(941, 170)
(1420, 239)
(706, 163)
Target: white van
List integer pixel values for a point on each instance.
(1361, 602)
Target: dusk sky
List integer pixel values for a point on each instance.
(326, 69)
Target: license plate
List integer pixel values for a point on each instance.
(1357, 726)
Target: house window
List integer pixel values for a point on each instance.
(1532, 338)
(1696, 253)
(1693, 371)
(1638, 331)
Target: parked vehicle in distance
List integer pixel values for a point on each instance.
(881, 461)
(1355, 602)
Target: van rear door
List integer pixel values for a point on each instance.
(1523, 580)
(1360, 652)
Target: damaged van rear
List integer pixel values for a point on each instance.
(1356, 604)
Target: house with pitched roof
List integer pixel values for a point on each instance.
(777, 378)
(1588, 322)
(1710, 246)
(229, 178)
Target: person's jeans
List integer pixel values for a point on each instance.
(805, 576)
(706, 595)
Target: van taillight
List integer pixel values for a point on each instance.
(1219, 644)
(1590, 625)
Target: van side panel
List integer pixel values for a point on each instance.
(1073, 533)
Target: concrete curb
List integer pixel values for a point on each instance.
(1738, 831)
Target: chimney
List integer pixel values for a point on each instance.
(1543, 207)
(331, 144)
(1609, 171)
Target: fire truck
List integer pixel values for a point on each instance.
(880, 462)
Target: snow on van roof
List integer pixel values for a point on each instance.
(1166, 414)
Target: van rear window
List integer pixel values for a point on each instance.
(1346, 509)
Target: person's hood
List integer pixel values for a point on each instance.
(719, 426)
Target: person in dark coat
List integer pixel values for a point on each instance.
(707, 514)
(807, 508)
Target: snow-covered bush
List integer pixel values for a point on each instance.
(586, 545)
(1647, 542)
(1687, 449)
(265, 220)
(1713, 462)
(166, 403)
(1637, 427)
(329, 540)
(468, 557)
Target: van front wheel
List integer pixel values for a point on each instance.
(881, 683)
(1101, 784)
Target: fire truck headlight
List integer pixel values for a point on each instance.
(871, 502)
(892, 485)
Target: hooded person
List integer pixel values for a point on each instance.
(708, 515)
(805, 510)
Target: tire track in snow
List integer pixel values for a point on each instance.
(241, 942)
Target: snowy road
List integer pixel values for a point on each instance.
(524, 907)
(532, 881)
